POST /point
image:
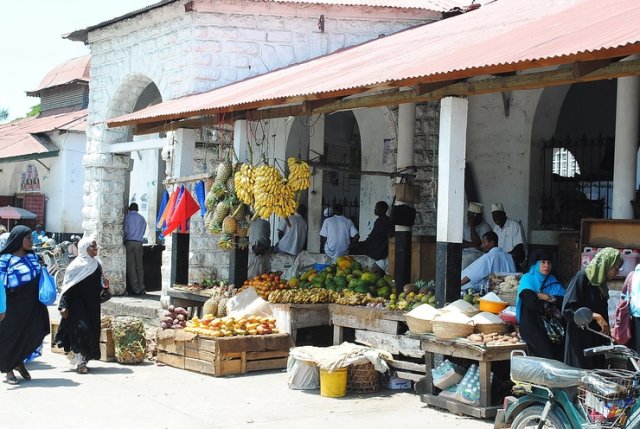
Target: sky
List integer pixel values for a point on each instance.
(31, 42)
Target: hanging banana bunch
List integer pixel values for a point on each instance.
(299, 174)
(243, 181)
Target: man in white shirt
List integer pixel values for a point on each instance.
(337, 233)
(472, 233)
(292, 233)
(495, 260)
(510, 234)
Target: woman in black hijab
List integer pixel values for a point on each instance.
(26, 320)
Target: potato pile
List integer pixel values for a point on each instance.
(174, 318)
(494, 339)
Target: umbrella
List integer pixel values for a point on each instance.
(10, 212)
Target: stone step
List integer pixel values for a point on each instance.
(146, 307)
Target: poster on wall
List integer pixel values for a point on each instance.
(29, 181)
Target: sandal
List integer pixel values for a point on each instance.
(11, 380)
(23, 371)
(82, 369)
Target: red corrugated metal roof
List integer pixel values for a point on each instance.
(76, 69)
(503, 36)
(18, 138)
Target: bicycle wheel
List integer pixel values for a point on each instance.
(59, 277)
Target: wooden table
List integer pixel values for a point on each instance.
(461, 348)
(380, 329)
(291, 317)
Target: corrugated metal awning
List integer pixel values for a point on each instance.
(26, 138)
(498, 38)
(74, 70)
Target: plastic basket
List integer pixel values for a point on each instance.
(363, 378)
(607, 395)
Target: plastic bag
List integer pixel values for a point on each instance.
(469, 388)
(47, 291)
(446, 375)
(302, 375)
(247, 303)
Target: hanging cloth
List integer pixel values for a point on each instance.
(168, 211)
(200, 195)
(185, 208)
(163, 205)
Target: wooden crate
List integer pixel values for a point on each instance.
(237, 355)
(291, 317)
(107, 345)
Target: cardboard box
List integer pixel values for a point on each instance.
(397, 383)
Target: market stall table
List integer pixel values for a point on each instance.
(291, 317)
(383, 329)
(462, 348)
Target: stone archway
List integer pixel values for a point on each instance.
(106, 180)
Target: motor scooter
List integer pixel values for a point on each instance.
(555, 395)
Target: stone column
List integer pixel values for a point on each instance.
(103, 211)
(314, 203)
(451, 211)
(626, 147)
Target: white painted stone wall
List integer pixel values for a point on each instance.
(191, 52)
(61, 184)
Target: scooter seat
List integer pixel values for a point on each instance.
(544, 372)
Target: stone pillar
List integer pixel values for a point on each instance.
(406, 135)
(451, 211)
(179, 156)
(103, 211)
(626, 147)
(314, 203)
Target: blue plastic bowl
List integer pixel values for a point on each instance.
(320, 267)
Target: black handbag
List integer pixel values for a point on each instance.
(105, 295)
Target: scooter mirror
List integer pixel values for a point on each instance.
(582, 317)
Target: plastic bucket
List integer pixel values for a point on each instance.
(333, 384)
(630, 259)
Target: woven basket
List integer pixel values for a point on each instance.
(490, 328)
(509, 297)
(363, 378)
(448, 330)
(418, 326)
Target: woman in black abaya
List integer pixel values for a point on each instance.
(79, 306)
(26, 320)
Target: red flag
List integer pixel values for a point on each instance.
(185, 208)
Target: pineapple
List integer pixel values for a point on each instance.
(210, 201)
(243, 243)
(222, 306)
(227, 242)
(221, 211)
(218, 190)
(421, 285)
(229, 225)
(240, 212)
(231, 186)
(410, 287)
(210, 306)
(242, 228)
(224, 171)
(129, 339)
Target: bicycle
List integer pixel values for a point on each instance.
(53, 261)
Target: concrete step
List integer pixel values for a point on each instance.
(145, 307)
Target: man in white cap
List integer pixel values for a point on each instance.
(494, 260)
(510, 234)
(472, 233)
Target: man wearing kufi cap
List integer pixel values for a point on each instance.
(510, 234)
(473, 230)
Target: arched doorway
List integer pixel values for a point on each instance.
(343, 151)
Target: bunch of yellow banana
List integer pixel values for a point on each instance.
(244, 181)
(271, 193)
(299, 174)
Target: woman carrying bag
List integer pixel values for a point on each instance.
(26, 320)
(79, 306)
(538, 304)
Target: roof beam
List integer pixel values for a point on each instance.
(486, 86)
(583, 68)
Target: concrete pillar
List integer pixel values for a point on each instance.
(406, 135)
(451, 165)
(240, 139)
(626, 147)
(314, 203)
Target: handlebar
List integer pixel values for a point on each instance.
(600, 350)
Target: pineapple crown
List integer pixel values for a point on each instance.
(420, 283)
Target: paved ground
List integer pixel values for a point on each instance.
(153, 396)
